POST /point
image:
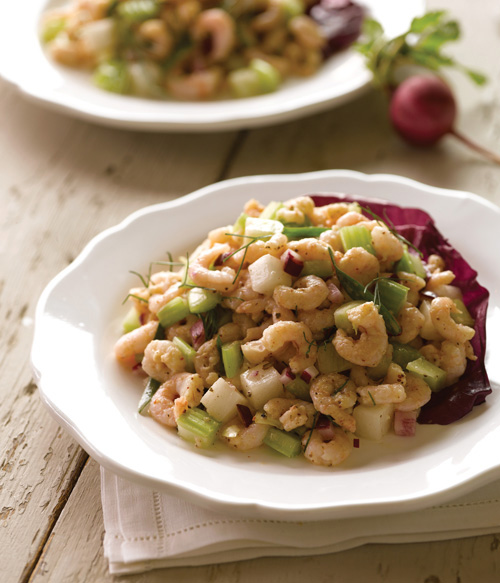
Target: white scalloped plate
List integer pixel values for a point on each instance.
(78, 321)
(25, 64)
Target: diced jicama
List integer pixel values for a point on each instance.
(267, 273)
(260, 383)
(221, 400)
(373, 422)
(257, 227)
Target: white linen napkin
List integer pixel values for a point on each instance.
(147, 530)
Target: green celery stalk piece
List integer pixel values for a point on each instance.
(151, 387)
(173, 311)
(302, 232)
(402, 354)
(232, 358)
(341, 319)
(411, 264)
(270, 210)
(320, 267)
(463, 316)
(131, 321)
(299, 388)
(188, 352)
(434, 376)
(285, 443)
(202, 300)
(198, 426)
(356, 236)
(329, 360)
(393, 295)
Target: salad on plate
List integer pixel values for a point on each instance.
(308, 326)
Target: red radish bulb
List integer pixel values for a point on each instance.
(423, 109)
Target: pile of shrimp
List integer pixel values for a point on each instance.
(187, 49)
(286, 327)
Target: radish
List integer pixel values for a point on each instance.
(423, 110)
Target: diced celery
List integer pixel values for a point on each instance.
(411, 264)
(340, 315)
(239, 225)
(270, 210)
(232, 358)
(379, 371)
(138, 10)
(434, 376)
(112, 76)
(356, 236)
(202, 300)
(393, 295)
(51, 28)
(132, 320)
(329, 360)
(257, 227)
(188, 352)
(269, 76)
(151, 387)
(244, 82)
(198, 427)
(320, 267)
(299, 388)
(285, 443)
(292, 8)
(463, 316)
(173, 311)
(402, 354)
(302, 232)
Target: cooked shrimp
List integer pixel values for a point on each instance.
(175, 396)
(332, 238)
(157, 301)
(381, 394)
(440, 312)
(411, 321)
(387, 246)
(329, 214)
(291, 413)
(331, 395)
(448, 355)
(414, 283)
(351, 218)
(435, 263)
(296, 210)
(318, 321)
(236, 435)
(418, 393)
(207, 362)
(306, 32)
(162, 359)
(327, 453)
(307, 293)
(222, 280)
(439, 279)
(299, 336)
(156, 38)
(254, 351)
(273, 246)
(310, 249)
(201, 84)
(135, 343)
(217, 25)
(371, 345)
(360, 264)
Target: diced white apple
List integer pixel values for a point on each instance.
(256, 227)
(266, 273)
(221, 399)
(373, 421)
(260, 383)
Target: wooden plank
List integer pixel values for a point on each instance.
(79, 558)
(61, 182)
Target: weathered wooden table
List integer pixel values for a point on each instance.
(62, 181)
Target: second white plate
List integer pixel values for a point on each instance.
(71, 92)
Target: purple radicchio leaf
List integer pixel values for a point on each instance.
(415, 225)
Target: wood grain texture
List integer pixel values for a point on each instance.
(62, 181)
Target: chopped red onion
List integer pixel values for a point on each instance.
(244, 414)
(197, 334)
(405, 423)
(355, 442)
(334, 294)
(287, 376)
(325, 428)
(292, 263)
(309, 374)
